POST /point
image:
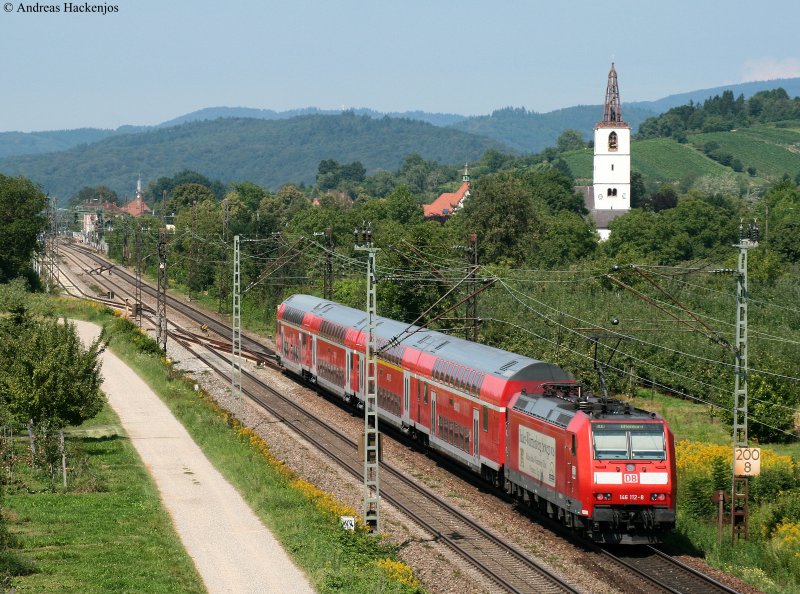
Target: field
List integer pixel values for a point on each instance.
(772, 151)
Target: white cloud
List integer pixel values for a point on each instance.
(770, 68)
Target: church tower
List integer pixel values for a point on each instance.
(612, 153)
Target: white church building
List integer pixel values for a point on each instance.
(609, 196)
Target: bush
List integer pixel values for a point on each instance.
(784, 509)
(133, 333)
(698, 502)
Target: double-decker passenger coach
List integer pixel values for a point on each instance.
(526, 425)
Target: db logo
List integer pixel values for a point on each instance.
(630, 478)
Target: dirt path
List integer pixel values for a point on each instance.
(231, 548)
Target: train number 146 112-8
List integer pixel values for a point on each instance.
(631, 497)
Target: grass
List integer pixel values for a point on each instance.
(113, 537)
(76, 539)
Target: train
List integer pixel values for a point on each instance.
(598, 465)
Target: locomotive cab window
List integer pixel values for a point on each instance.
(628, 441)
(648, 444)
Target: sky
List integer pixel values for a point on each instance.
(147, 61)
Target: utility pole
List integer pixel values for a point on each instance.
(748, 239)
(137, 238)
(471, 326)
(194, 262)
(162, 289)
(223, 266)
(363, 243)
(327, 273)
(327, 283)
(54, 270)
(125, 247)
(236, 315)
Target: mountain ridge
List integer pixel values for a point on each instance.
(269, 153)
(28, 143)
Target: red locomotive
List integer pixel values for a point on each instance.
(598, 465)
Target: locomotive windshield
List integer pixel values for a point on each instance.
(628, 441)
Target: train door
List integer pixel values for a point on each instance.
(347, 368)
(433, 413)
(570, 467)
(476, 436)
(313, 355)
(406, 396)
(361, 373)
(418, 418)
(304, 358)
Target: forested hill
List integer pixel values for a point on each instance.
(531, 132)
(212, 113)
(721, 113)
(268, 153)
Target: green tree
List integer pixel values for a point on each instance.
(567, 239)
(46, 375)
(403, 207)
(638, 190)
(554, 190)
(186, 194)
(90, 193)
(22, 219)
(501, 212)
(156, 190)
(570, 140)
(665, 198)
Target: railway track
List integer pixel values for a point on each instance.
(669, 572)
(508, 567)
(504, 564)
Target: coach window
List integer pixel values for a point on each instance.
(462, 378)
(485, 419)
(426, 393)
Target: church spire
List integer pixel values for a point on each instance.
(612, 110)
(465, 177)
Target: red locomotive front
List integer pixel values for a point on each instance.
(632, 488)
(599, 466)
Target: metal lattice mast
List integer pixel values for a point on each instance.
(471, 332)
(162, 289)
(748, 240)
(194, 263)
(327, 289)
(223, 266)
(125, 244)
(137, 232)
(372, 495)
(236, 314)
(54, 252)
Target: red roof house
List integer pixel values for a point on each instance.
(446, 204)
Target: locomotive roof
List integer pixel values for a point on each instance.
(560, 410)
(487, 359)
